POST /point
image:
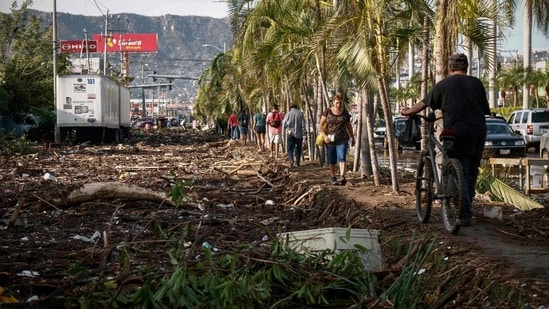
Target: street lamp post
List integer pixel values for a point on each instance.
(210, 45)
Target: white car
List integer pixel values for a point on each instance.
(544, 146)
(379, 131)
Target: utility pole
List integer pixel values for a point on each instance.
(56, 133)
(105, 38)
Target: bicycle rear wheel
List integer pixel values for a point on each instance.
(424, 188)
(454, 197)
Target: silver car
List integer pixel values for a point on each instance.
(531, 124)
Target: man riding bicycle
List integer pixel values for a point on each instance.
(462, 100)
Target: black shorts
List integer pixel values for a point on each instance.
(260, 129)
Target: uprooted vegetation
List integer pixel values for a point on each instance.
(208, 236)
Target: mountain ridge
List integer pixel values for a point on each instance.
(181, 41)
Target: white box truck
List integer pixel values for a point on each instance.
(92, 107)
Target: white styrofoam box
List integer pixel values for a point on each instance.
(334, 238)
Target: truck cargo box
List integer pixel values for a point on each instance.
(125, 108)
(88, 101)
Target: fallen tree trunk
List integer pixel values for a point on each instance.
(113, 190)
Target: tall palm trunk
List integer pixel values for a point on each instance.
(358, 131)
(425, 74)
(492, 97)
(386, 107)
(310, 117)
(322, 99)
(441, 37)
(369, 164)
(547, 94)
(527, 48)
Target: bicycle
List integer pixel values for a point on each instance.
(432, 185)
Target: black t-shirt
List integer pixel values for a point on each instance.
(336, 125)
(243, 120)
(464, 106)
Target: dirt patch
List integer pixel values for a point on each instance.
(235, 196)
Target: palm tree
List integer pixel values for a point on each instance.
(294, 48)
(511, 78)
(278, 44)
(215, 99)
(536, 9)
(368, 33)
(536, 79)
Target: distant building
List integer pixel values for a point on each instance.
(155, 108)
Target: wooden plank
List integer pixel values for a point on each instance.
(505, 161)
(537, 190)
(532, 161)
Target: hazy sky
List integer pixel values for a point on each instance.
(213, 8)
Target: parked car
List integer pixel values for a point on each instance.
(379, 131)
(144, 122)
(18, 123)
(544, 146)
(531, 124)
(502, 141)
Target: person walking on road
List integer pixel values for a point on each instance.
(296, 130)
(260, 121)
(233, 127)
(243, 121)
(274, 120)
(337, 130)
(462, 100)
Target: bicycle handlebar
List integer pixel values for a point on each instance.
(430, 118)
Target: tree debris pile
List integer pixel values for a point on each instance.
(111, 221)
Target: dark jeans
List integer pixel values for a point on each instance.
(295, 145)
(235, 133)
(470, 167)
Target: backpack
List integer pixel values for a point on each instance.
(243, 120)
(275, 120)
(411, 133)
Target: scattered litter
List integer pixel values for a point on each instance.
(221, 205)
(494, 212)
(29, 273)
(269, 202)
(48, 176)
(270, 221)
(93, 238)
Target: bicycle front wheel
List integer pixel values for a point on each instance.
(454, 197)
(424, 188)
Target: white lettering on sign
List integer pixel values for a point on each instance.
(131, 43)
(78, 46)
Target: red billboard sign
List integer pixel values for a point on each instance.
(78, 46)
(128, 42)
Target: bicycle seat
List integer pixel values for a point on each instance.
(447, 135)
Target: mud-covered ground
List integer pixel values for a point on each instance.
(234, 195)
